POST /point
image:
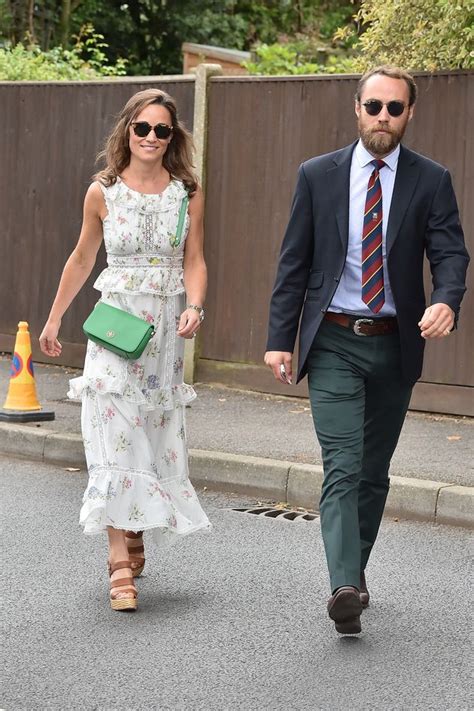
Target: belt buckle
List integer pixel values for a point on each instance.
(360, 322)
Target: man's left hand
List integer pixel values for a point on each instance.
(437, 321)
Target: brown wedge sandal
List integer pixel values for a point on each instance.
(122, 585)
(135, 548)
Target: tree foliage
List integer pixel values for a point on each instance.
(85, 60)
(149, 33)
(287, 36)
(43, 23)
(153, 32)
(415, 34)
(279, 59)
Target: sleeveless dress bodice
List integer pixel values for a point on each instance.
(140, 241)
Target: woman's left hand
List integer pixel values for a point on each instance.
(189, 323)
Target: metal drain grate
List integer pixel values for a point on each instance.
(279, 513)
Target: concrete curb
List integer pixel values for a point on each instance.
(268, 479)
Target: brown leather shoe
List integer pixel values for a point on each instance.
(344, 607)
(363, 592)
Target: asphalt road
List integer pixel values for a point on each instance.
(231, 619)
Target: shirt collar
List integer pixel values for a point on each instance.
(364, 157)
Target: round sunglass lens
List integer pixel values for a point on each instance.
(373, 107)
(395, 108)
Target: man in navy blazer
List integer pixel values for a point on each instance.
(361, 221)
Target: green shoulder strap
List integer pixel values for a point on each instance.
(182, 215)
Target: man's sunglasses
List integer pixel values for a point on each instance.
(374, 107)
(143, 128)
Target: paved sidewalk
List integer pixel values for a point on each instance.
(265, 446)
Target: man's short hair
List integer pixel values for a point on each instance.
(387, 70)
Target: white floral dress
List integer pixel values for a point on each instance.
(133, 412)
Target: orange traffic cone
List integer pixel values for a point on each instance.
(21, 395)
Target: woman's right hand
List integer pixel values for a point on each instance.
(48, 340)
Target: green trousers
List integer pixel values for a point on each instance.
(359, 401)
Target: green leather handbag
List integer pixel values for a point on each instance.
(118, 331)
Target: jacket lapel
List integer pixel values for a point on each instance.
(338, 178)
(405, 182)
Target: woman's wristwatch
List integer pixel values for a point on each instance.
(199, 309)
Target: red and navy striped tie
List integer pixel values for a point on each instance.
(373, 293)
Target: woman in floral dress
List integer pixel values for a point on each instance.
(133, 412)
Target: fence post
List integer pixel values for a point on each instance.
(201, 94)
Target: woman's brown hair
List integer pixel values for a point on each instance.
(178, 158)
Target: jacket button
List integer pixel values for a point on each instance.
(336, 279)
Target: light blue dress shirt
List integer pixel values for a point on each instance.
(348, 296)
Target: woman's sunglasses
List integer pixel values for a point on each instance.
(143, 128)
(374, 107)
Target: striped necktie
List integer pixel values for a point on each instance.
(373, 293)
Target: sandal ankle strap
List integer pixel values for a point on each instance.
(116, 566)
(123, 583)
(133, 550)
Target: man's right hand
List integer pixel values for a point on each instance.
(280, 363)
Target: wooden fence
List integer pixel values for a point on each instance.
(259, 131)
(51, 134)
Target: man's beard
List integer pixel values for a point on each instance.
(381, 144)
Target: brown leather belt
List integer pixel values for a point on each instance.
(363, 326)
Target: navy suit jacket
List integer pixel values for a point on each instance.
(423, 218)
